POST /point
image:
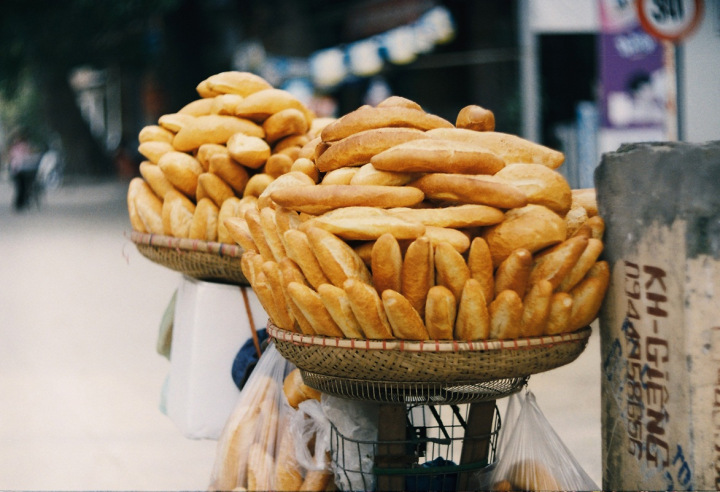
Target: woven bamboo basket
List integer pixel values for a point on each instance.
(450, 363)
(203, 260)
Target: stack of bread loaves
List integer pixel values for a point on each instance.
(215, 156)
(416, 228)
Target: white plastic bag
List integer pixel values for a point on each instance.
(534, 457)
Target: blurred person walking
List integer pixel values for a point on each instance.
(23, 160)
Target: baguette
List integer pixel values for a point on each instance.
(337, 260)
(558, 322)
(386, 264)
(403, 318)
(283, 313)
(239, 231)
(250, 150)
(270, 230)
(299, 250)
(204, 225)
(440, 313)
(360, 147)
(252, 217)
(587, 259)
(321, 199)
(286, 122)
(234, 82)
(456, 217)
(213, 128)
(148, 207)
(182, 170)
(153, 150)
(557, 262)
(465, 188)
(514, 272)
(155, 133)
(541, 185)
(536, 309)
(365, 223)
(588, 296)
(153, 175)
(260, 105)
(231, 172)
(367, 174)
(368, 117)
(177, 214)
(481, 267)
(473, 315)
(511, 148)
(418, 273)
(476, 118)
(451, 270)
(213, 187)
(367, 306)
(312, 307)
(437, 156)
(506, 313)
(337, 303)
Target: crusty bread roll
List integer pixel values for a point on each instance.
(533, 227)
(506, 315)
(307, 167)
(234, 82)
(587, 259)
(230, 171)
(386, 264)
(360, 147)
(296, 391)
(249, 150)
(439, 156)
(474, 117)
(212, 186)
(207, 150)
(451, 270)
(575, 221)
(541, 185)
(198, 107)
(365, 223)
(323, 198)
(440, 313)
(177, 214)
(182, 170)
(153, 150)
(262, 104)
(558, 320)
(368, 117)
(173, 122)
(278, 164)
(134, 188)
(418, 273)
(312, 307)
(586, 198)
(555, 263)
(257, 184)
(511, 148)
(288, 180)
(336, 258)
(155, 133)
(298, 248)
(466, 188)
(290, 121)
(536, 309)
(514, 272)
(154, 176)
(368, 308)
(473, 315)
(213, 128)
(204, 223)
(405, 321)
(337, 303)
(457, 217)
(367, 174)
(481, 267)
(284, 317)
(588, 296)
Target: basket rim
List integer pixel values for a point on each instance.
(437, 346)
(186, 244)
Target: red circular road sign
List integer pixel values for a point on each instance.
(670, 20)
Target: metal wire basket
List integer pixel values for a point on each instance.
(410, 393)
(437, 453)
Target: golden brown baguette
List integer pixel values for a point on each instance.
(213, 128)
(541, 185)
(506, 312)
(233, 82)
(457, 217)
(440, 313)
(312, 307)
(386, 264)
(555, 263)
(536, 309)
(588, 296)
(153, 176)
(474, 117)
(403, 318)
(437, 156)
(365, 224)
(473, 315)
(182, 170)
(360, 147)
(336, 258)
(514, 272)
(204, 224)
(323, 198)
(481, 267)
(368, 117)
(299, 250)
(558, 322)
(368, 308)
(466, 188)
(451, 270)
(418, 273)
(337, 303)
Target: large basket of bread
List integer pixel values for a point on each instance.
(391, 228)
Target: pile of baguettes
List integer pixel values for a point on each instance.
(393, 223)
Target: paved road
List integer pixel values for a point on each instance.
(80, 380)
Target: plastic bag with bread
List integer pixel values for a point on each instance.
(533, 457)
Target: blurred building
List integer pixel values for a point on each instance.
(544, 67)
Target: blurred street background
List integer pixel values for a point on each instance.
(80, 378)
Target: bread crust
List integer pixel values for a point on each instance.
(405, 321)
(473, 315)
(312, 307)
(466, 188)
(418, 273)
(440, 313)
(386, 264)
(368, 308)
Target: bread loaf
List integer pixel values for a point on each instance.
(368, 309)
(440, 312)
(386, 264)
(473, 316)
(418, 273)
(405, 321)
(337, 303)
(474, 117)
(466, 188)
